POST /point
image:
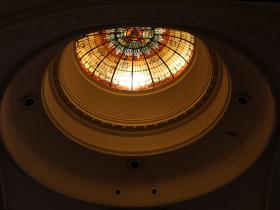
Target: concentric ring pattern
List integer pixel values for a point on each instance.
(135, 58)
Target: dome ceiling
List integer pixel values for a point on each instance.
(135, 58)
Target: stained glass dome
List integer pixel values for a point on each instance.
(135, 58)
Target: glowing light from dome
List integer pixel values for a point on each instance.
(135, 58)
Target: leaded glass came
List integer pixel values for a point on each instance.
(135, 58)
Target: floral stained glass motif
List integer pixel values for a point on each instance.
(135, 58)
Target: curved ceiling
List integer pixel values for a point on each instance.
(135, 58)
(233, 21)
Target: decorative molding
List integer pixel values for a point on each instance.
(189, 112)
(76, 17)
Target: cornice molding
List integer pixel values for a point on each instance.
(178, 119)
(76, 17)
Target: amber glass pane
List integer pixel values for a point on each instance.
(135, 58)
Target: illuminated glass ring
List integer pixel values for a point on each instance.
(135, 58)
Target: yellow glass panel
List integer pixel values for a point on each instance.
(135, 58)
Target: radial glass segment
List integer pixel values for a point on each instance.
(135, 58)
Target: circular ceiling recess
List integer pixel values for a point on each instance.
(137, 116)
(159, 84)
(135, 58)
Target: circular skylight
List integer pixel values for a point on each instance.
(135, 58)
